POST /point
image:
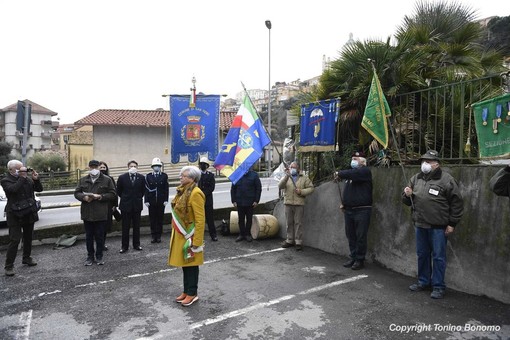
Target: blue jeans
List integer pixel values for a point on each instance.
(356, 230)
(431, 251)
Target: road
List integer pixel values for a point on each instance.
(251, 290)
(71, 214)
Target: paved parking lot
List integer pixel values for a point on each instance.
(247, 291)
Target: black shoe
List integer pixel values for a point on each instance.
(357, 265)
(123, 250)
(214, 238)
(137, 248)
(239, 238)
(299, 247)
(249, 238)
(89, 262)
(29, 261)
(418, 287)
(154, 240)
(9, 271)
(286, 244)
(348, 264)
(158, 240)
(100, 262)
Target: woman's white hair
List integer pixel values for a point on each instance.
(363, 161)
(193, 172)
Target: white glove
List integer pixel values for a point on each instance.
(147, 204)
(165, 203)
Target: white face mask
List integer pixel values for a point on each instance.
(133, 170)
(293, 171)
(426, 167)
(94, 172)
(156, 168)
(16, 174)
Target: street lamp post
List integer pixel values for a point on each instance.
(269, 158)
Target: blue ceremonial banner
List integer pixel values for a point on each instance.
(318, 125)
(194, 129)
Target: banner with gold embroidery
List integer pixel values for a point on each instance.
(194, 127)
(492, 120)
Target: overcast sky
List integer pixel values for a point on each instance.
(75, 57)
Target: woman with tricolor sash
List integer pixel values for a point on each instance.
(187, 240)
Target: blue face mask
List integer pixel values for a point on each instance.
(293, 172)
(354, 164)
(156, 168)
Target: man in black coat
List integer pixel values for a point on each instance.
(207, 184)
(130, 189)
(156, 198)
(19, 189)
(245, 196)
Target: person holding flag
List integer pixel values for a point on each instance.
(187, 239)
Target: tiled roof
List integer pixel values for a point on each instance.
(226, 119)
(142, 118)
(36, 108)
(126, 117)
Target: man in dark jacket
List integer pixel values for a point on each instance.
(207, 184)
(19, 189)
(357, 207)
(156, 198)
(95, 191)
(130, 189)
(500, 182)
(437, 207)
(245, 195)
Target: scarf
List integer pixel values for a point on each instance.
(180, 218)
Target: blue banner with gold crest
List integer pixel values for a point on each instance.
(318, 125)
(194, 128)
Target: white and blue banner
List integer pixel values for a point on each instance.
(194, 127)
(318, 125)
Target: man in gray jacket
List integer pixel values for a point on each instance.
(95, 191)
(437, 207)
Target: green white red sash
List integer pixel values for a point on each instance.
(187, 233)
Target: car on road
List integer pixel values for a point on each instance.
(3, 202)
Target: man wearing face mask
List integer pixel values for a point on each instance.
(19, 188)
(130, 189)
(357, 208)
(207, 183)
(437, 207)
(95, 191)
(156, 198)
(296, 186)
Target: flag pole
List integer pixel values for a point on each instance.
(271, 139)
(390, 127)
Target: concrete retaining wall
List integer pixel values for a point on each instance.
(478, 252)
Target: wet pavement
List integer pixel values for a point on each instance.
(251, 290)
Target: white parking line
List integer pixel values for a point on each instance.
(249, 309)
(25, 319)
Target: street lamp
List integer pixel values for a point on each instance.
(269, 160)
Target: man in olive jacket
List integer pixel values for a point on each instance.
(437, 207)
(296, 187)
(95, 191)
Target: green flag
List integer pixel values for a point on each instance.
(376, 111)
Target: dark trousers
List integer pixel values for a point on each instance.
(156, 214)
(94, 231)
(190, 280)
(245, 215)
(130, 218)
(356, 230)
(23, 230)
(109, 223)
(209, 219)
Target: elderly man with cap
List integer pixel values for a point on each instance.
(437, 207)
(357, 208)
(95, 191)
(207, 184)
(156, 198)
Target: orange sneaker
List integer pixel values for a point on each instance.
(181, 297)
(189, 300)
